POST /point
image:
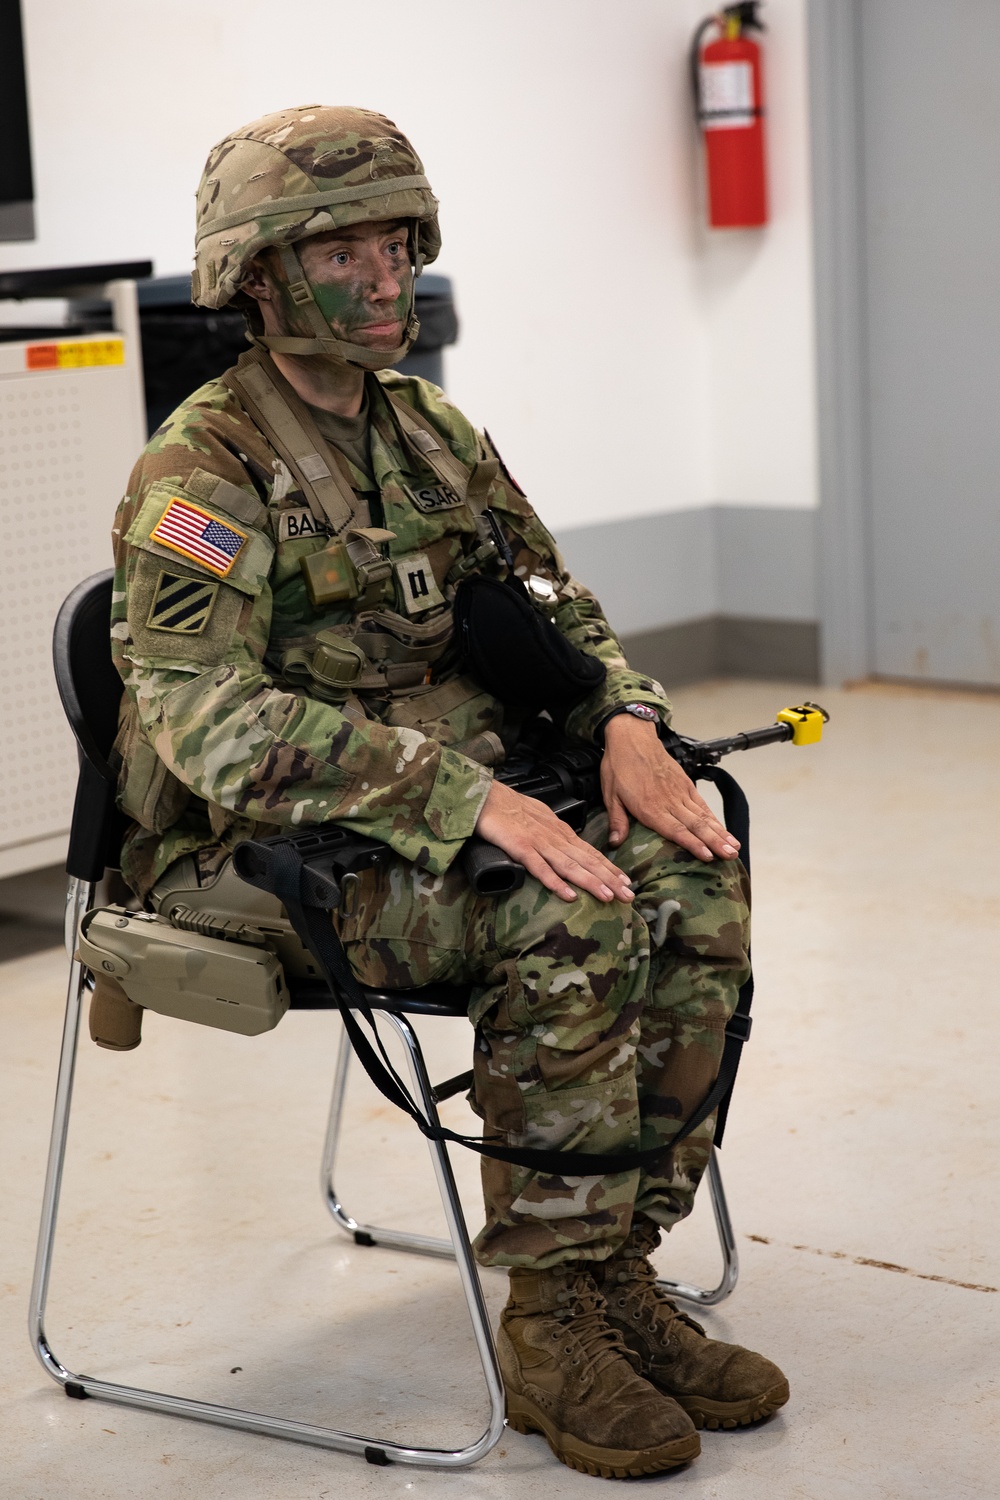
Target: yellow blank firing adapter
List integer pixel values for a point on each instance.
(806, 721)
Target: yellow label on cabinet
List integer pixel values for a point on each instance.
(74, 354)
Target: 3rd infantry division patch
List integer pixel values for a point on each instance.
(181, 604)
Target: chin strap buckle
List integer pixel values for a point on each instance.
(300, 291)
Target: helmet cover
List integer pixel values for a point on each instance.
(297, 173)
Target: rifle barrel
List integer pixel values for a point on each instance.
(771, 734)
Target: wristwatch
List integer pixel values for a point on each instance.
(638, 711)
(643, 711)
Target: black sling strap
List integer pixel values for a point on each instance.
(736, 815)
(314, 926)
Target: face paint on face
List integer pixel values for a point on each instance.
(348, 308)
(362, 287)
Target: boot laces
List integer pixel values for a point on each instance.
(638, 1280)
(582, 1315)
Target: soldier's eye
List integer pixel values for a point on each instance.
(395, 248)
(341, 258)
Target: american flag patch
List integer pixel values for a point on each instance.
(197, 535)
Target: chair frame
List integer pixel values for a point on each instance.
(91, 839)
(80, 898)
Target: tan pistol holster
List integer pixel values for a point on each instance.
(232, 984)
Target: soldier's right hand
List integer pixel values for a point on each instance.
(548, 848)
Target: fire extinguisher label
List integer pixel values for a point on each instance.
(727, 101)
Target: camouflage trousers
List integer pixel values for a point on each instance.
(597, 1027)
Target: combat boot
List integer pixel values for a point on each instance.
(570, 1377)
(717, 1384)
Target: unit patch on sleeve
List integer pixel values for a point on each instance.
(417, 583)
(198, 535)
(180, 604)
(433, 497)
(297, 522)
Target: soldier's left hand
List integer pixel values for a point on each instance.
(638, 777)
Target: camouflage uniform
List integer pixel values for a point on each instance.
(596, 1025)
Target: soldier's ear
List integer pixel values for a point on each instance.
(257, 282)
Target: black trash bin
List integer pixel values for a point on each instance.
(438, 328)
(183, 345)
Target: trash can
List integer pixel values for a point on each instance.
(438, 328)
(183, 345)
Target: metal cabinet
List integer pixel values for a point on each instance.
(72, 423)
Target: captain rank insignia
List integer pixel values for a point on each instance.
(417, 583)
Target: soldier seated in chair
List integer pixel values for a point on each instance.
(287, 557)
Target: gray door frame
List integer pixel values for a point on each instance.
(844, 563)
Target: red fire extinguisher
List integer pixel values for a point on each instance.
(729, 99)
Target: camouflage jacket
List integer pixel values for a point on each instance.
(223, 735)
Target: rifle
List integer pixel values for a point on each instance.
(568, 780)
(564, 775)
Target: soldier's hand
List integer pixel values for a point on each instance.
(531, 833)
(639, 777)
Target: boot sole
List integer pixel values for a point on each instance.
(602, 1463)
(729, 1414)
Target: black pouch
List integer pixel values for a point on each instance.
(515, 651)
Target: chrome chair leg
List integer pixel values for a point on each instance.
(332, 1142)
(461, 1248)
(375, 1450)
(365, 1234)
(79, 897)
(710, 1297)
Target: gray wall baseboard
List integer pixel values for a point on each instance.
(721, 591)
(727, 646)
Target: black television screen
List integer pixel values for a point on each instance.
(17, 212)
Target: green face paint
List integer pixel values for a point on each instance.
(346, 308)
(345, 304)
(351, 290)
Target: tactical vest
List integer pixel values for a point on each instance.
(380, 656)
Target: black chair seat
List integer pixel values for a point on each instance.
(431, 1000)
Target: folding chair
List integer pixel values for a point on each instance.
(91, 690)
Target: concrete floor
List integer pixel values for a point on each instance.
(195, 1253)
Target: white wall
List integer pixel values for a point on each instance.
(625, 361)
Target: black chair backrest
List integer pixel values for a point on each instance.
(88, 682)
(91, 691)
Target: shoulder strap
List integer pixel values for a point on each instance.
(286, 422)
(472, 484)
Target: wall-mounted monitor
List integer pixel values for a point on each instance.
(17, 207)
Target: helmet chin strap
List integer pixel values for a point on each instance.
(324, 343)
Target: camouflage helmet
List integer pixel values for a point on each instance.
(297, 173)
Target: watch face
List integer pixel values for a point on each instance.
(642, 711)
